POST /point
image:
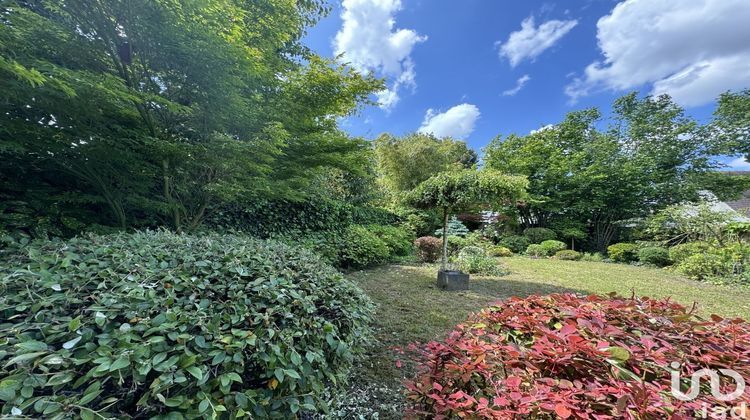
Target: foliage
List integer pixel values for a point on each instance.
(405, 162)
(141, 113)
(681, 252)
(363, 248)
(688, 223)
(475, 260)
(515, 243)
(654, 255)
(568, 254)
(704, 266)
(592, 257)
(651, 156)
(398, 240)
(623, 252)
(500, 251)
(455, 228)
(155, 323)
(558, 356)
(705, 261)
(551, 247)
(731, 123)
(428, 248)
(536, 251)
(538, 235)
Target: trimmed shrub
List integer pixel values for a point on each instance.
(363, 248)
(559, 356)
(551, 247)
(623, 252)
(515, 243)
(654, 255)
(474, 260)
(538, 235)
(429, 248)
(398, 240)
(500, 251)
(592, 257)
(568, 255)
(156, 324)
(455, 228)
(326, 244)
(535, 251)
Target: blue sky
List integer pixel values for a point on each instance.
(474, 69)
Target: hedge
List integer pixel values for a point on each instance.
(155, 324)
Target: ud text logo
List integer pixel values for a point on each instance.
(695, 380)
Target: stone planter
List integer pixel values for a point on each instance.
(452, 280)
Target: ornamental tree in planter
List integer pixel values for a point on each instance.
(464, 190)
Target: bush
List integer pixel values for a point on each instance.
(623, 252)
(704, 267)
(679, 253)
(159, 324)
(551, 247)
(500, 251)
(539, 235)
(592, 257)
(558, 356)
(654, 255)
(326, 244)
(429, 248)
(455, 228)
(398, 240)
(515, 243)
(536, 251)
(475, 260)
(363, 248)
(568, 254)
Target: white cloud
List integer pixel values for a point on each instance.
(532, 40)
(457, 122)
(369, 41)
(542, 128)
(520, 83)
(739, 164)
(692, 50)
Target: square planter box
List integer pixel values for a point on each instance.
(452, 280)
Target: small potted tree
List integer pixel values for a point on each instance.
(462, 190)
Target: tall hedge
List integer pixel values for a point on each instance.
(156, 324)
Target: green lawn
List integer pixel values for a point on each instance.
(411, 309)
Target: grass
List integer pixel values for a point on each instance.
(411, 309)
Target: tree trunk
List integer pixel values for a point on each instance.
(444, 261)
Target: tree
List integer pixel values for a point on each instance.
(731, 124)
(649, 157)
(463, 189)
(405, 162)
(160, 112)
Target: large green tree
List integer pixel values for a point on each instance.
(159, 110)
(649, 156)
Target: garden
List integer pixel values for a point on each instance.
(184, 241)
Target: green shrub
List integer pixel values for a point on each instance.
(429, 248)
(455, 228)
(568, 254)
(623, 252)
(538, 235)
(363, 248)
(704, 267)
(398, 240)
(475, 260)
(680, 253)
(326, 244)
(592, 257)
(536, 251)
(156, 324)
(500, 251)
(515, 243)
(654, 255)
(551, 247)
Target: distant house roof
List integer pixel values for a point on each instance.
(742, 204)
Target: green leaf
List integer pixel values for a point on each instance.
(291, 373)
(71, 343)
(120, 363)
(203, 406)
(59, 378)
(619, 354)
(25, 357)
(32, 346)
(196, 372)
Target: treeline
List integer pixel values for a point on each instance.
(142, 113)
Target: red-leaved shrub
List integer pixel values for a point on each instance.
(569, 356)
(429, 248)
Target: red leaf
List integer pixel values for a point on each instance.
(563, 411)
